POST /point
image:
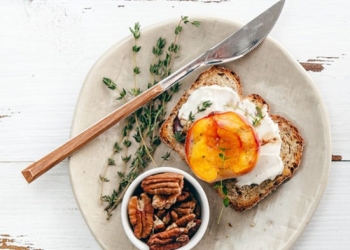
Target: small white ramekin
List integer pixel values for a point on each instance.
(199, 194)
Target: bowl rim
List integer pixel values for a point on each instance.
(205, 210)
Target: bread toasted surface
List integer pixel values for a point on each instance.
(245, 197)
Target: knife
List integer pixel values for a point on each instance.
(232, 48)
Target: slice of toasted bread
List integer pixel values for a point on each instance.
(245, 197)
(213, 76)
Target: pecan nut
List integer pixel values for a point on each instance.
(158, 224)
(169, 239)
(184, 220)
(164, 201)
(141, 215)
(183, 196)
(185, 208)
(163, 184)
(193, 226)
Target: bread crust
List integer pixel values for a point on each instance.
(245, 197)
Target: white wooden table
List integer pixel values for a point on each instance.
(46, 50)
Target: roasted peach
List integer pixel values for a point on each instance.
(221, 146)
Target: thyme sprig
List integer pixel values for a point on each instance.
(200, 108)
(135, 49)
(180, 135)
(257, 117)
(140, 137)
(219, 185)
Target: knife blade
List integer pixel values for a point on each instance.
(232, 48)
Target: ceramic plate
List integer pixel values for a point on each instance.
(269, 71)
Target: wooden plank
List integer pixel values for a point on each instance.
(43, 215)
(329, 228)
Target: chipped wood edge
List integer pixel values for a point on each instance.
(337, 158)
(317, 64)
(9, 242)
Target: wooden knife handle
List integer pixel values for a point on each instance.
(47, 162)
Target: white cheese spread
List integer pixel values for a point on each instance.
(269, 164)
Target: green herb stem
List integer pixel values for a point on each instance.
(222, 189)
(146, 148)
(142, 126)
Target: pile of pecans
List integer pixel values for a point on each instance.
(165, 214)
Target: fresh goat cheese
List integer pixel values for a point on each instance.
(223, 99)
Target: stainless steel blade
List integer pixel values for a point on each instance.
(245, 39)
(233, 47)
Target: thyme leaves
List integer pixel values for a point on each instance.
(219, 185)
(180, 136)
(139, 136)
(258, 117)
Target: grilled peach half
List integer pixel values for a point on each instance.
(221, 146)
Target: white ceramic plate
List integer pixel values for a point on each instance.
(270, 71)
